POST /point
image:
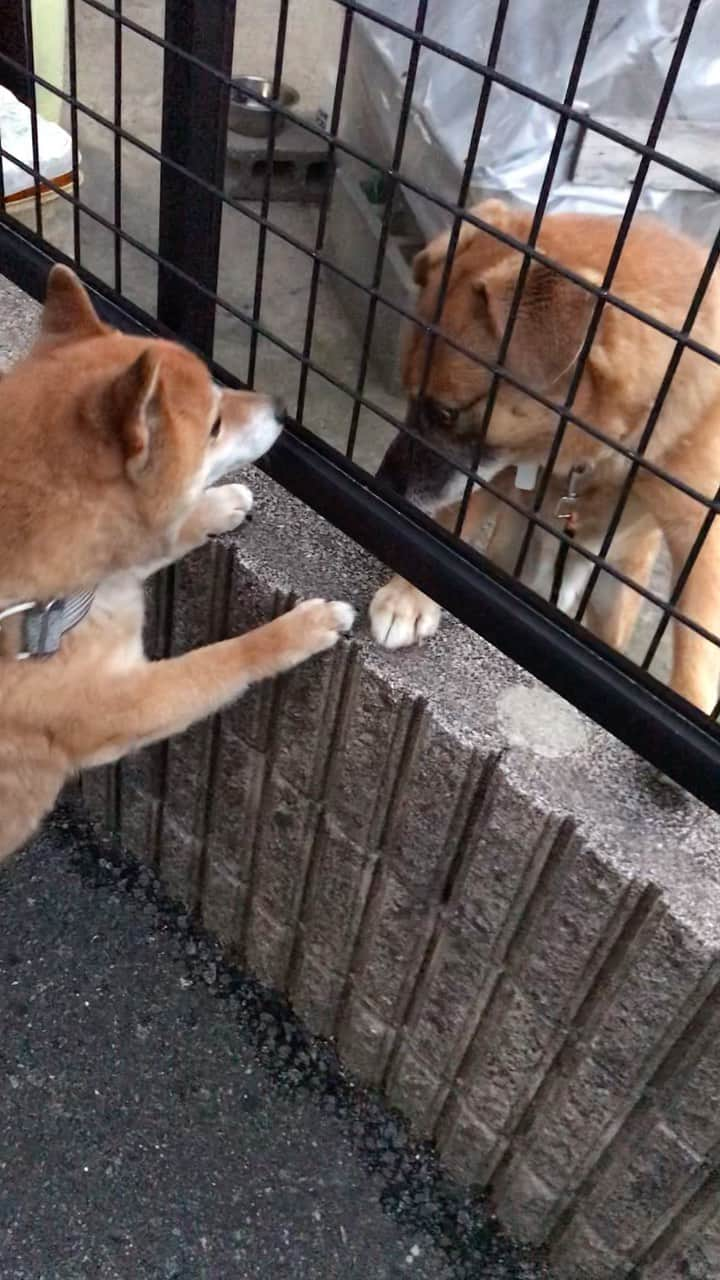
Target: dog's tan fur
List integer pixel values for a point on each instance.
(658, 273)
(107, 443)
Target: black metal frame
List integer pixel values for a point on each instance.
(197, 45)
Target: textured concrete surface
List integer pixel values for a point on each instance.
(162, 1120)
(505, 919)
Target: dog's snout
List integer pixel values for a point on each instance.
(279, 408)
(393, 470)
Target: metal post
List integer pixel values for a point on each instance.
(194, 134)
(14, 38)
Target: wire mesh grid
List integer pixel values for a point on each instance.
(196, 48)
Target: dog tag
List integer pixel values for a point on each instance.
(526, 475)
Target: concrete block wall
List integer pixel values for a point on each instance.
(507, 921)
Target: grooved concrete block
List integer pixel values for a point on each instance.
(414, 1087)
(642, 1184)
(268, 946)
(95, 785)
(575, 914)
(250, 603)
(139, 812)
(581, 1254)
(336, 895)
(364, 1041)
(235, 798)
(469, 1148)
(316, 992)
(452, 994)
(575, 1116)
(179, 865)
(283, 847)
(508, 842)
(532, 1200)
(396, 933)
(507, 1058)
(690, 1250)
(222, 900)
(187, 775)
(690, 1096)
(194, 598)
(436, 784)
(371, 735)
(629, 1026)
(644, 1003)
(141, 772)
(306, 707)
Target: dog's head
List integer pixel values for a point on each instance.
(448, 399)
(106, 441)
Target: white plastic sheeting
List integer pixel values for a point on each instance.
(54, 146)
(626, 63)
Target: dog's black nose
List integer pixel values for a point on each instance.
(279, 408)
(394, 470)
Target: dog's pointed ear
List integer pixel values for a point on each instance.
(68, 312)
(133, 404)
(550, 325)
(493, 211)
(435, 251)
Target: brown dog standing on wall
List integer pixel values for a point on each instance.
(657, 273)
(107, 446)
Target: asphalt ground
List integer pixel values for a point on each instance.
(163, 1117)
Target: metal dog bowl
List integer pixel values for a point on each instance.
(251, 117)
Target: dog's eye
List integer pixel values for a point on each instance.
(216, 428)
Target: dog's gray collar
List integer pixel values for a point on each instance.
(43, 625)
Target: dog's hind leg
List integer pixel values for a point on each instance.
(613, 608)
(696, 660)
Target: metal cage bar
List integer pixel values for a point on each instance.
(117, 145)
(32, 96)
(366, 341)
(324, 210)
(194, 132)
(267, 185)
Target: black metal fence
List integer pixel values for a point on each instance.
(196, 46)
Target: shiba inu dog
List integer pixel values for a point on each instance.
(657, 273)
(108, 446)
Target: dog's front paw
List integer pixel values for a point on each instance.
(318, 624)
(400, 615)
(226, 507)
